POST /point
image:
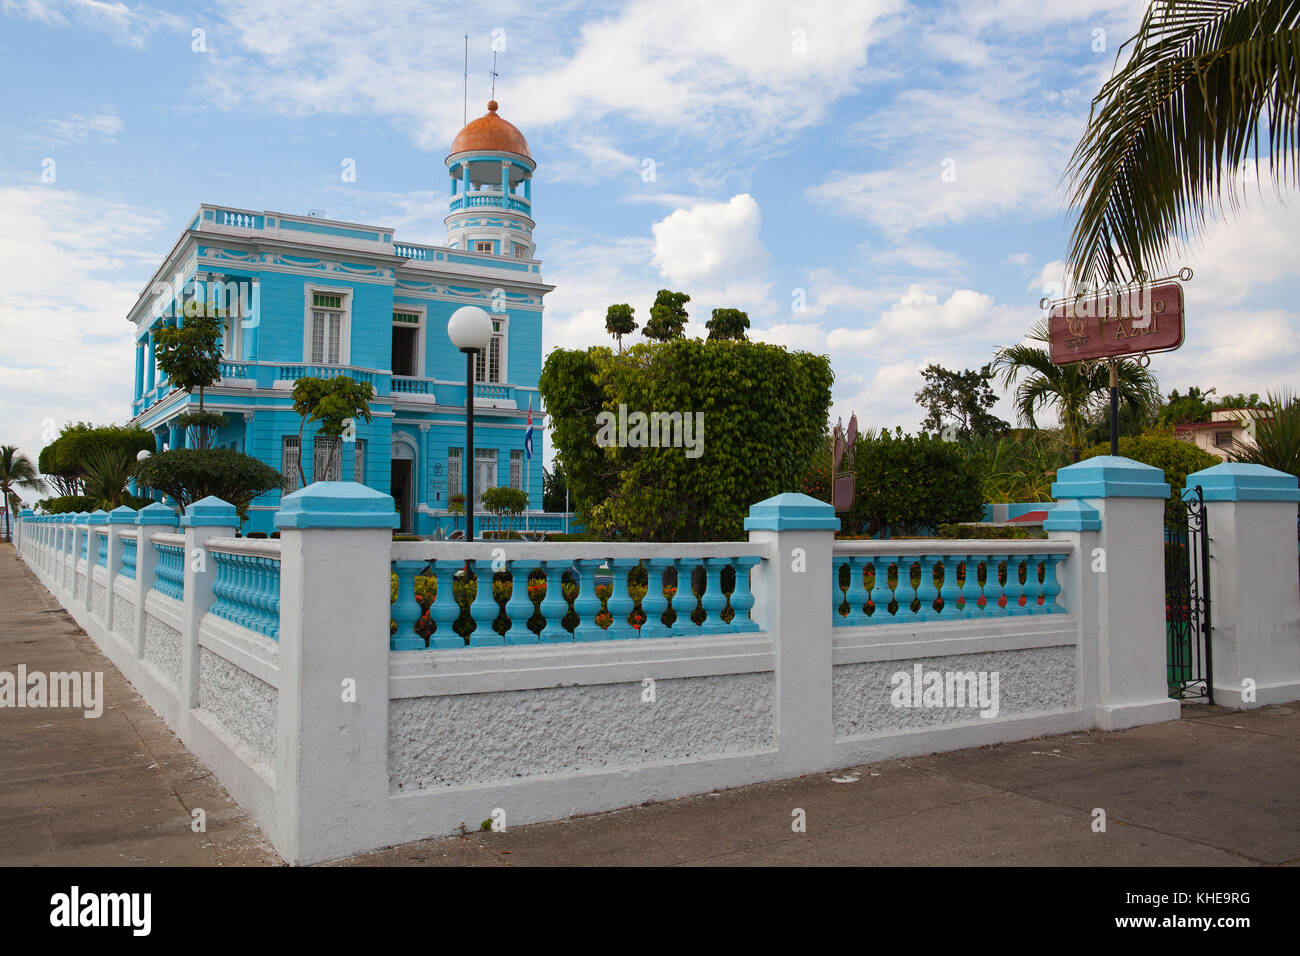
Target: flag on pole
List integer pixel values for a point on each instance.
(528, 433)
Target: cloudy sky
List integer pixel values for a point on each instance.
(873, 179)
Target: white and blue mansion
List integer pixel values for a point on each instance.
(308, 296)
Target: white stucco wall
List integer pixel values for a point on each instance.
(1031, 681)
(239, 702)
(462, 739)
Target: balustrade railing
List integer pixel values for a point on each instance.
(546, 594)
(289, 373)
(129, 552)
(246, 590)
(170, 577)
(101, 551)
(911, 582)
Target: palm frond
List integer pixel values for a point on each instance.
(1170, 132)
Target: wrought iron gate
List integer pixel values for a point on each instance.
(1187, 602)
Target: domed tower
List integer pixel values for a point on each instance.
(491, 189)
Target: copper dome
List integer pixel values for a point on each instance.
(490, 133)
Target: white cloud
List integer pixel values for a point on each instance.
(677, 65)
(130, 27)
(67, 344)
(920, 317)
(710, 243)
(79, 129)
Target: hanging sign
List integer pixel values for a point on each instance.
(1130, 322)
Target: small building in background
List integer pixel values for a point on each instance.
(1226, 427)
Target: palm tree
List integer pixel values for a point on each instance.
(1277, 437)
(108, 471)
(1173, 129)
(16, 471)
(1072, 390)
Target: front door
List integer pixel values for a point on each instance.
(401, 485)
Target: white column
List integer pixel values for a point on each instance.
(331, 759)
(1126, 650)
(209, 518)
(792, 603)
(1254, 596)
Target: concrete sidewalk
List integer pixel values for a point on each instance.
(116, 790)
(1218, 788)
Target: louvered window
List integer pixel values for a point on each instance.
(359, 462)
(487, 363)
(326, 328)
(289, 457)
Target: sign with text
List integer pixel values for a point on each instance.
(1148, 319)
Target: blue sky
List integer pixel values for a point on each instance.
(794, 146)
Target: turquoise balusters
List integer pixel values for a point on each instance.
(713, 600)
(485, 608)
(949, 589)
(1051, 586)
(1014, 588)
(554, 606)
(587, 604)
(685, 601)
(970, 589)
(621, 603)
(128, 558)
(272, 597)
(857, 593)
(655, 603)
(837, 596)
(1034, 588)
(406, 609)
(926, 592)
(878, 596)
(742, 598)
(444, 609)
(519, 607)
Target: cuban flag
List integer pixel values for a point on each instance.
(528, 432)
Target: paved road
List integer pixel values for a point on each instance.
(1218, 788)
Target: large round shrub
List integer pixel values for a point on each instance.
(910, 484)
(188, 475)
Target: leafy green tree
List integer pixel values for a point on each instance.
(188, 475)
(16, 471)
(1187, 409)
(63, 461)
(959, 401)
(334, 402)
(1071, 390)
(1176, 458)
(619, 322)
(764, 413)
(190, 355)
(1276, 434)
(727, 324)
(1175, 128)
(506, 504)
(668, 316)
(1240, 400)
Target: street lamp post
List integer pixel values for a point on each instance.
(470, 330)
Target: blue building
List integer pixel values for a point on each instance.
(304, 295)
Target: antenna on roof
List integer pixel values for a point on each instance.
(495, 74)
(465, 117)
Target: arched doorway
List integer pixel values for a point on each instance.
(403, 480)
